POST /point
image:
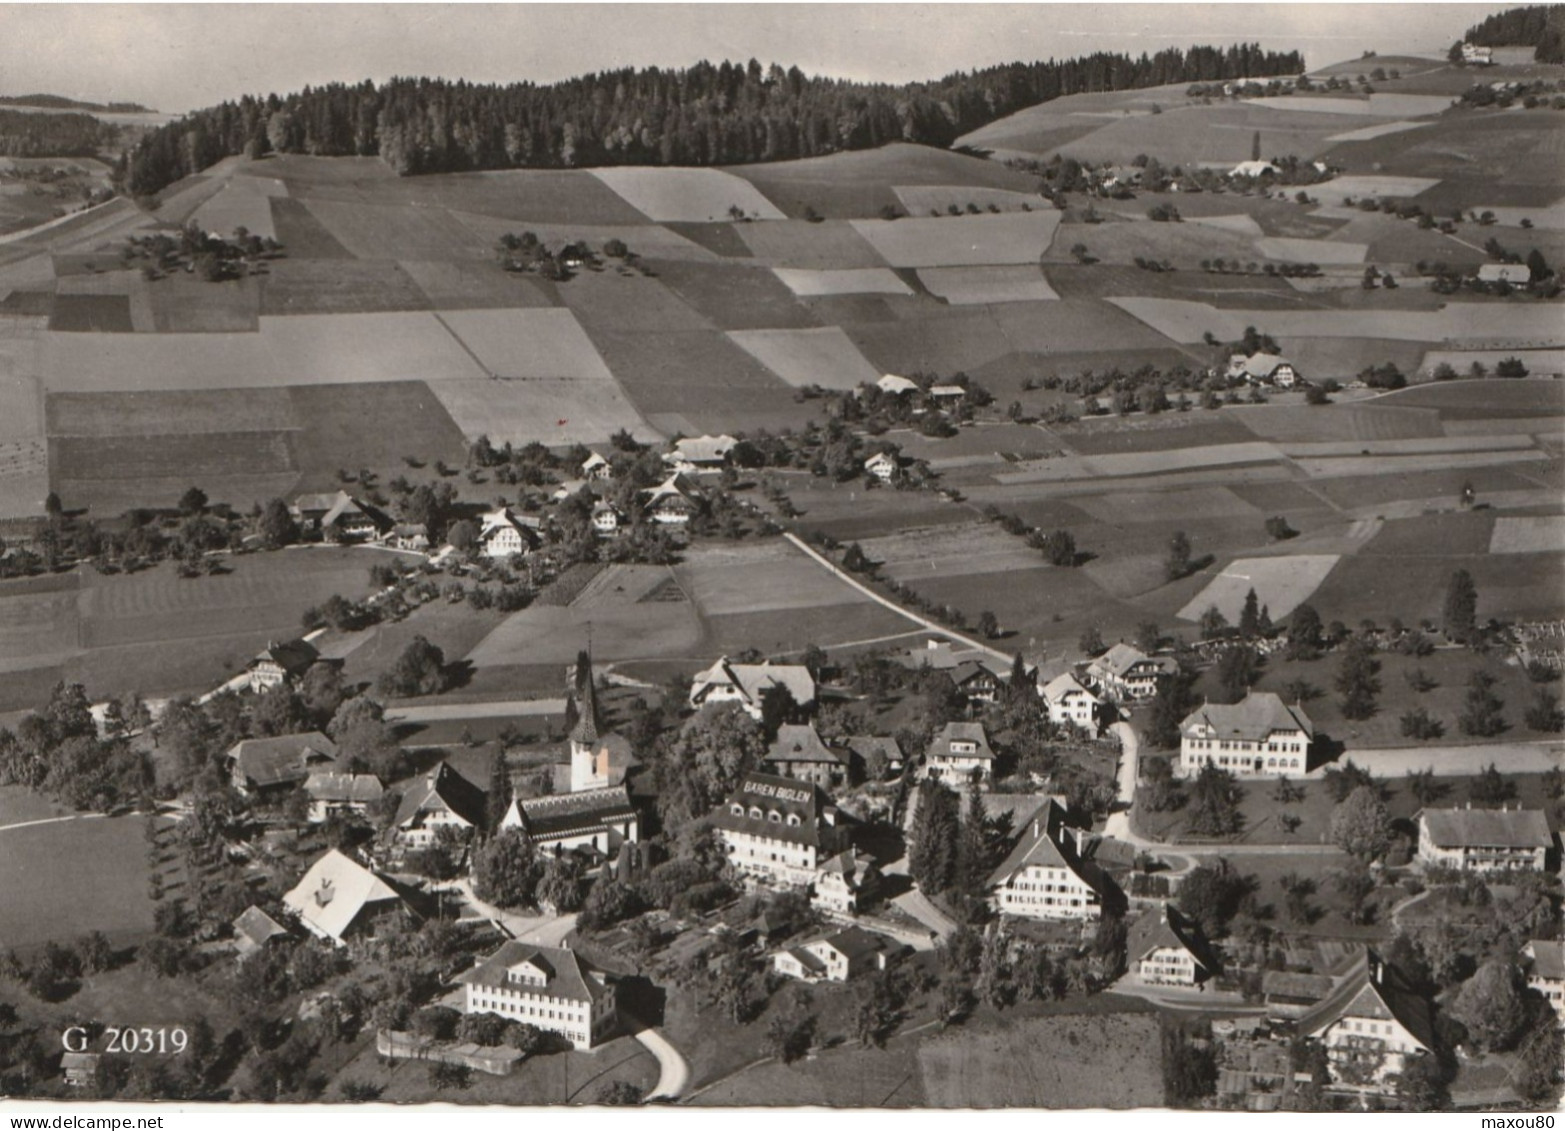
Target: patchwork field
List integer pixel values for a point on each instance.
(730, 296)
(922, 200)
(970, 286)
(848, 281)
(1536, 534)
(242, 203)
(333, 286)
(687, 194)
(824, 357)
(1187, 322)
(759, 577)
(1281, 584)
(830, 246)
(527, 343)
(959, 241)
(553, 411)
(296, 350)
(950, 551)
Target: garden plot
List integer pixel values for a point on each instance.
(846, 281)
(1281, 584)
(1533, 534)
(687, 194)
(754, 577)
(297, 350)
(950, 551)
(826, 357)
(1328, 252)
(553, 412)
(980, 286)
(830, 246)
(921, 200)
(960, 241)
(528, 343)
(239, 204)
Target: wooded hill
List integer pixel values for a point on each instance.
(1541, 26)
(52, 135)
(725, 114)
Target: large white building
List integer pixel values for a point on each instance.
(549, 987)
(1371, 1035)
(777, 830)
(1484, 840)
(503, 533)
(596, 819)
(1260, 736)
(1045, 876)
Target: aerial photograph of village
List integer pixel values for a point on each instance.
(857, 555)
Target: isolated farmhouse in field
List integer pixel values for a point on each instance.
(502, 533)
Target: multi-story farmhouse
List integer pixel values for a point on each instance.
(1045, 876)
(958, 752)
(1371, 1025)
(340, 900)
(502, 533)
(1260, 736)
(1484, 840)
(1124, 672)
(441, 799)
(748, 684)
(777, 830)
(281, 663)
(799, 753)
(549, 987)
(1069, 702)
(263, 766)
(1166, 948)
(340, 795)
(846, 884)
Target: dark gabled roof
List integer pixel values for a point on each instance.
(588, 721)
(864, 745)
(443, 787)
(1169, 929)
(561, 814)
(940, 745)
(855, 942)
(293, 656)
(805, 959)
(566, 974)
(800, 743)
(1119, 659)
(1254, 718)
(768, 792)
(283, 759)
(1487, 828)
(1548, 959)
(1375, 990)
(1044, 843)
(257, 926)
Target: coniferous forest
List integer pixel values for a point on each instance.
(24, 134)
(724, 114)
(1541, 26)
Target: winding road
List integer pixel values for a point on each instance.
(673, 1068)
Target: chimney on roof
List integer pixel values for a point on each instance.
(324, 895)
